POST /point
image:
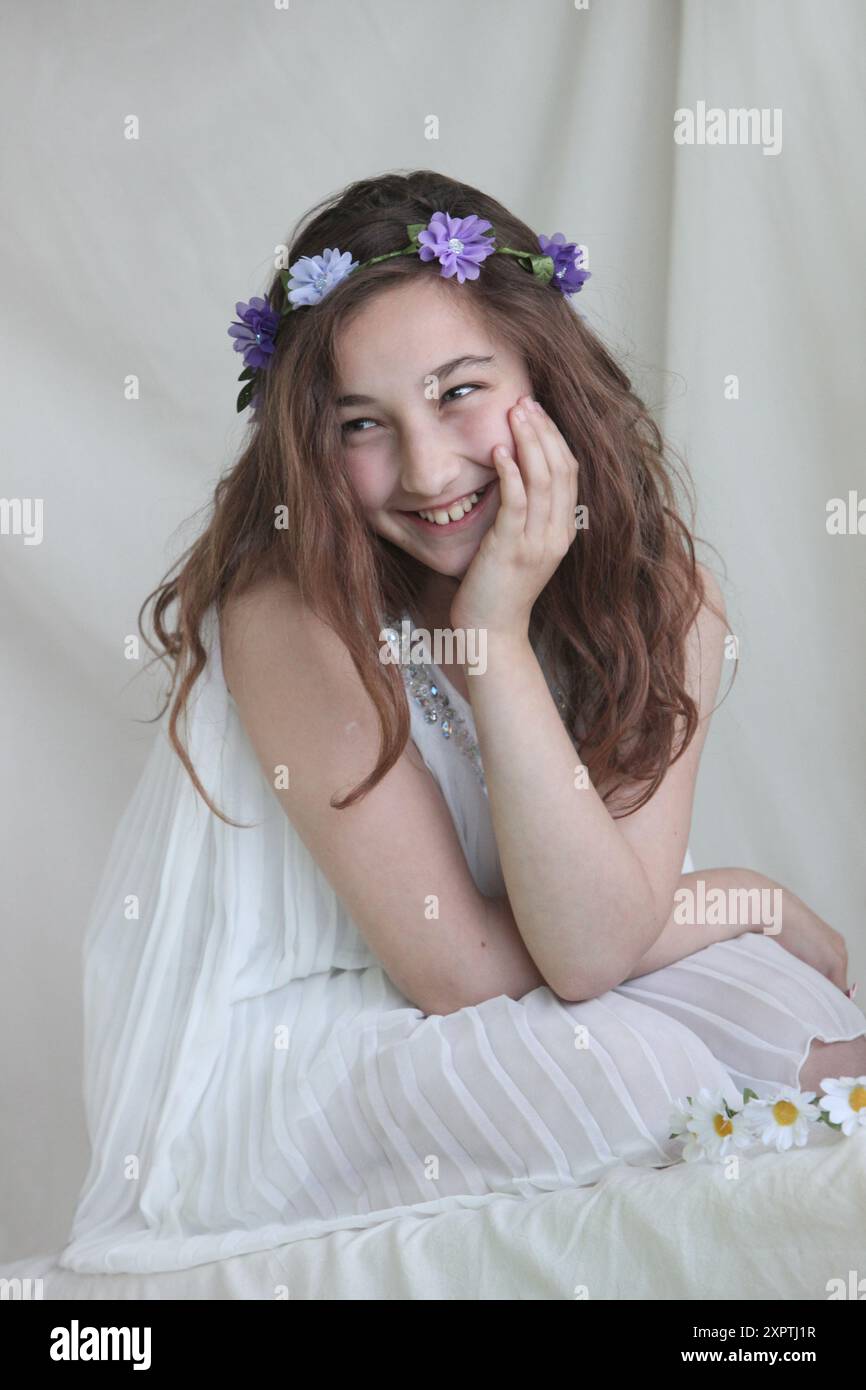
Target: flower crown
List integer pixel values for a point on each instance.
(459, 244)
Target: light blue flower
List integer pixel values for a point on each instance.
(312, 277)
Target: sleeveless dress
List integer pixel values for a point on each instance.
(252, 1076)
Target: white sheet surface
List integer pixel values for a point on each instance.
(782, 1229)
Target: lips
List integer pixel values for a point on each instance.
(445, 506)
(484, 495)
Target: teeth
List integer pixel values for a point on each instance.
(454, 512)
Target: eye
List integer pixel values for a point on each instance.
(469, 386)
(351, 426)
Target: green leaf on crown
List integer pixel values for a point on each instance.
(246, 394)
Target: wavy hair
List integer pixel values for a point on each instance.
(616, 612)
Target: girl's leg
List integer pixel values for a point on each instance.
(825, 1059)
(832, 1059)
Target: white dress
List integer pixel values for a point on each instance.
(252, 1076)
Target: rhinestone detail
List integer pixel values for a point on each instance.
(423, 685)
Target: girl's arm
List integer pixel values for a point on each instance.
(680, 939)
(394, 858)
(790, 922)
(675, 941)
(590, 894)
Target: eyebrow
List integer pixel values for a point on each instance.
(445, 370)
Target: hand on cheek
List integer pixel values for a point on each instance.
(508, 435)
(532, 531)
(513, 425)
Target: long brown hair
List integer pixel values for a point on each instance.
(616, 612)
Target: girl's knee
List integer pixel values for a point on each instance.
(833, 1059)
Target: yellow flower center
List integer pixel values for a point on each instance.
(857, 1098)
(784, 1112)
(722, 1124)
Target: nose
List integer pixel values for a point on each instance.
(429, 466)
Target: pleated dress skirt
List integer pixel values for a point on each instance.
(303, 1130)
(530, 1095)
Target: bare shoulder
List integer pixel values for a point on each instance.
(706, 644)
(262, 626)
(713, 595)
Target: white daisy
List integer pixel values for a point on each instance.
(681, 1113)
(845, 1101)
(784, 1118)
(712, 1131)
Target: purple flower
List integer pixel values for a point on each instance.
(254, 335)
(312, 277)
(567, 259)
(458, 243)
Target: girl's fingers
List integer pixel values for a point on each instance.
(511, 514)
(562, 500)
(536, 473)
(563, 477)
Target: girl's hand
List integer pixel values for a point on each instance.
(533, 530)
(811, 939)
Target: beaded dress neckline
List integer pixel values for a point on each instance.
(441, 702)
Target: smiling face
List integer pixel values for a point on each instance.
(423, 393)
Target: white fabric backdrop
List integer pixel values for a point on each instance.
(126, 256)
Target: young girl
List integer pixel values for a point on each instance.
(379, 934)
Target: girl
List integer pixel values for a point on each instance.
(388, 929)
